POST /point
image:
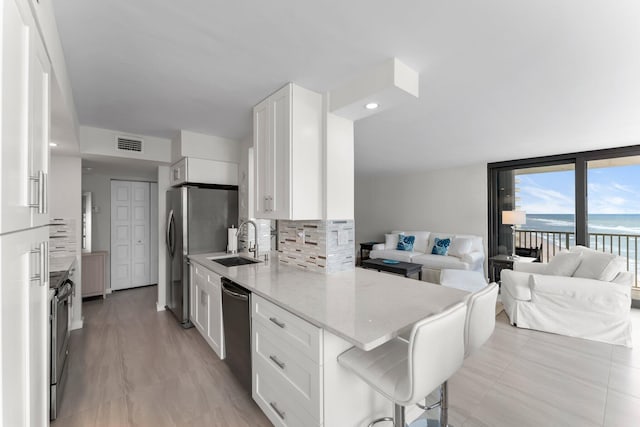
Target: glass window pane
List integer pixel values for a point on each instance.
(613, 206)
(547, 196)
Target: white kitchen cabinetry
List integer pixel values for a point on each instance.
(24, 120)
(39, 117)
(296, 377)
(287, 139)
(24, 327)
(203, 171)
(24, 254)
(206, 306)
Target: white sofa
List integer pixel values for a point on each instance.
(469, 256)
(590, 300)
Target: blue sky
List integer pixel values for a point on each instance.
(613, 190)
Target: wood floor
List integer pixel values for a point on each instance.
(133, 366)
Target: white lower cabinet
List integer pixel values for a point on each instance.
(206, 307)
(296, 377)
(24, 328)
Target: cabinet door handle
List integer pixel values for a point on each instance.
(43, 263)
(38, 253)
(277, 322)
(43, 193)
(275, 360)
(280, 413)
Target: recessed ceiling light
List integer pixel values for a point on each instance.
(371, 106)
(53, 144)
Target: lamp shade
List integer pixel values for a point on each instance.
(514, 217)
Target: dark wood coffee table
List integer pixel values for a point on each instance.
(404, 268)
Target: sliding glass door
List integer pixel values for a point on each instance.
(589, 198)
(613, 188)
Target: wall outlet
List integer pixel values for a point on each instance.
(300, 237)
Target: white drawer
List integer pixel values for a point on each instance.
(300, 334)
(270, 394)
(300, 375)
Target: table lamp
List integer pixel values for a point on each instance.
(514, 218)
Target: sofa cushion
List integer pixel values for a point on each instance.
(404, 256)
(405, 243)
(422, 239)
(433, 237)
(594, 264)
(476, 242)
(615, 267)
(440, 246)
(438, 262)
(564, 263)
(391, 240)
(460, 246)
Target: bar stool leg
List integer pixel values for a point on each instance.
(444, 404)
(398, 416)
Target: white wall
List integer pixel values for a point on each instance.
(201, 146)
(65, 201)
(450, 200)
(102, 142)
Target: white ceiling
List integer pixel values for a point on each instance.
(499, 79)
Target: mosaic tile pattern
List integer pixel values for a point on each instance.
(321, 246)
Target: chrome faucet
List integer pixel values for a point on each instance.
(255, 236)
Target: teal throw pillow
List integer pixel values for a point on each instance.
(405, 243)
(441, 246)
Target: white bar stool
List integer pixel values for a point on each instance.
(406, 372)
(479, 325)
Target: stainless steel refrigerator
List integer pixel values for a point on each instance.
(197, 222)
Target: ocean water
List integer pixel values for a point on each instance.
(609, 224)
(598, 223)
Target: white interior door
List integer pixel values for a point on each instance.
(130, 234)
(140, 225)
(121, 235)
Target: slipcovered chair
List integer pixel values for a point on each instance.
(580, 293)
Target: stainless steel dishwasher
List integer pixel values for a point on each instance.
(236, 316)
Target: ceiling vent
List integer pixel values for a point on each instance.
(129, 144)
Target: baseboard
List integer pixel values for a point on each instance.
(160, 307)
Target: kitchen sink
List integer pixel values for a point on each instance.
(234, 261)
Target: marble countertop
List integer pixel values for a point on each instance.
(364, 307)
(61, 263)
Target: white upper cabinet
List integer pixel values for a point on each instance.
(39, 118)
(24, 87)
(287, 139)
(203, 171)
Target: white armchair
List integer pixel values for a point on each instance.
(580, 307)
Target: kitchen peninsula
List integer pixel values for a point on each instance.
(296, 377)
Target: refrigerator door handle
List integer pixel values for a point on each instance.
(170, 231)
(173, 235)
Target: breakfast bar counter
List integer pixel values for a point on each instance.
(363, 307)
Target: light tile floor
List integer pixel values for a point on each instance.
(134, 366)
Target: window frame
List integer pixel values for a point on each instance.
(578, 159)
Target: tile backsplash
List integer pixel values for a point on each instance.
(322, 246)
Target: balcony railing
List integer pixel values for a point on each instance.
(552, 242)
